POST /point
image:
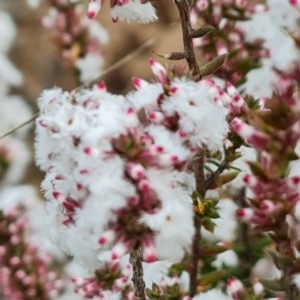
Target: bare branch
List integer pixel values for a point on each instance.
(137, 278)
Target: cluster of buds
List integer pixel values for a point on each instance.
(77, 37)
(125, 10)
(108, 280)
(24, 272)
(274, 132)
(111, 164)
(223, 18)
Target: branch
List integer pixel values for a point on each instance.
(184, 12)
(87, 84)
(210, 180)
(137, 278)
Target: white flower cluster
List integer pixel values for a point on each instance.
(125, 10)
(111, 163)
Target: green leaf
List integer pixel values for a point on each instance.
(212, 249)
(257, 169)
(213, 277)
(213, 65)
(208, 224)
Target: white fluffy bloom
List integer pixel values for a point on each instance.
(214, 294)
(111, 180)
(90, 66)
(271, 26)
(134, 10)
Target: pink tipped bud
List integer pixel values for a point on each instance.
(267, 206)
(136, 171)
(202, 4)
(159, 71)
(78, 280)
(148, 250)
(293, 182)
(119, 250)
(250, 180)
(59, 197)
(101, 86)
(266, 160)
(107, 237)
(168, 159)
(224, 97)
(156, 117)
(231, 90)
(91, 151)
(221, 47)
(94, 8)
(139, 83)
(133, 200)
(14, 261)
(237, 101)
(15, 239)
(155, 150)
(126, 271)
(131, 117)
(20, 274)
(258, 288)
(249, 133)
(234, 286)
(240, 3)
(173, 90)
(182, 135)
(245, 214)
(144, 185)
(218, 101)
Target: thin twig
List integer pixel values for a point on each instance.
(184, 12)
(19, 126)
(137, 278)
(87, 84)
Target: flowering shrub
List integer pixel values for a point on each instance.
(186, 187)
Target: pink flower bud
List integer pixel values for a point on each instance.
(139, 83)
(267, 206)
(107, 237)
(249, 133)
(245, 214)
(202, 4)
(156, 117)
(101, 87)
(94, 8)
(119, 250)
(231, 90)
(250, 180)
(159, 71)
(240, 3)
(266, 160)
(131, 117)
(168, 159)
(59, 197)
(14, 261)
(136, 171)
(258, 288)
(234, 286)
(91, 151)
